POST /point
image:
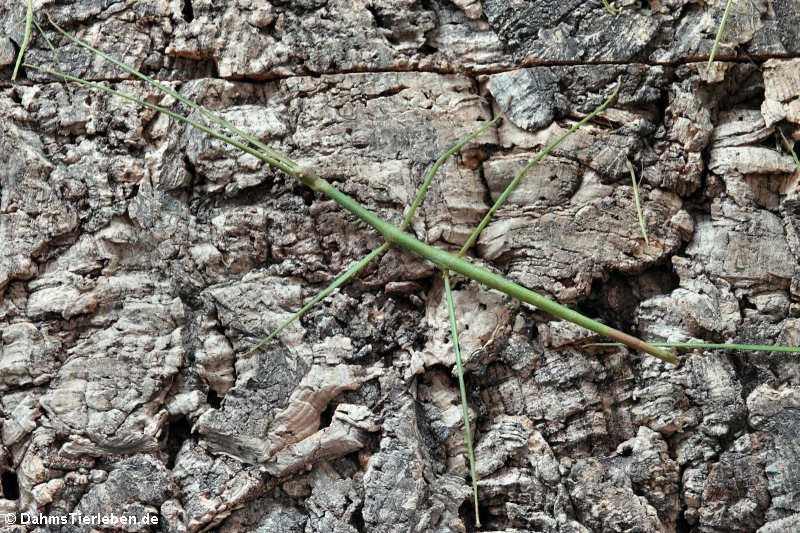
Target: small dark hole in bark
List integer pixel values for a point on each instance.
(187, 11)
(189, 166)
(380, 22)
(681, 525)
(307, 195)
(10, 485)
(155, 528)
(418, 343)
(467, 513)
(627, 451)
(357, 520)
(177, 432)
(427, 49)
(747, 304)
(326, 416)
(213, 399)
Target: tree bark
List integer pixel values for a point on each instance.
(140, 256)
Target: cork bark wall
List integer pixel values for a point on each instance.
(140, 256)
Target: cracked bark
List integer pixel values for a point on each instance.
(139, 256)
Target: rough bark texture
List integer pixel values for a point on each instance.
(139, 257)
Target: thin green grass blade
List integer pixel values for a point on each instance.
(464, 408)
(48, 41)
(211, 116)
(718, 38)
(52, 49)
(712, 346)
(439, 162)
(511, 186)
(789, 147)
(321, 296)
(25, 39)
(202, 127)
(610, 8)
(637, 202)
(14, 27)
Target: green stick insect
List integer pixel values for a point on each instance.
(395, 235)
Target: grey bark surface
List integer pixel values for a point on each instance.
(139, 257)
